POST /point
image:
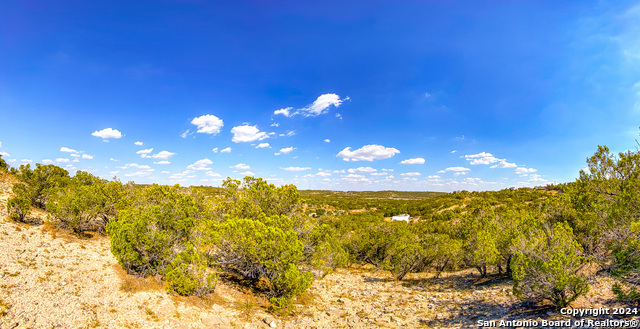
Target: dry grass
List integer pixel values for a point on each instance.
(4, 307)
(134, 284)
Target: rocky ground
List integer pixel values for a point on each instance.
(52, 279)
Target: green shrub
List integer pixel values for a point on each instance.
(147, 234)
(188, 274)
(263, 248)
(79, 208)
(545, 266)
(323, 250)
(3, 164)
(19, 206)
(42, 181)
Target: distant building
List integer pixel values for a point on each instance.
(403, 217)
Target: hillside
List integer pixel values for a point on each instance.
(51, 278)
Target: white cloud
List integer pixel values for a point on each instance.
(212, 174)
(165, 172)
(275, 124)
(295, 168)
(413, 161)
(26, 160)
(247, 173)
(482, 158)
(164, 155)
(87, 156)
(319, 106)
(433, 177)
(246, 133)
(186, 133)
(339, 116)
(262, 145)
(536, 178)
(379, 173)
(226, 150)
(285, 111)
(362, 170)
(522, 170)
(454, 151)
(0, 144)
(180, 175)
(455, 169)
(135, 165)
(504, 164)
(323, 174)
(107, 133)
(62, 160)
(285, 150)
(411, 174)
(112, 159)
(75, 155)
(200, 164)
(215, 150)
(354, 178)
(427, 95)
(208, 124)
(163, 162)
(367, 153)
(147, 151)
(139, 143)
(68, 150)
(139, 174)
(47, 161)
(327, 140)
(241, 166)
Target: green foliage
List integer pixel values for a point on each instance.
(3, 164)
(19, 206)
(254, 196)
(260, 248)
(545, 266)
(147, 234)
(323, 250)
(188, 274)
(42, 181)
(86, 203)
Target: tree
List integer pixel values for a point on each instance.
(545, 266)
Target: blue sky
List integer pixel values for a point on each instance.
(368, 95)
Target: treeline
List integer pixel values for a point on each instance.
(541, 238)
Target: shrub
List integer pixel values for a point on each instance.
(288, 284)
(3, 164)
(545, 266)
(323, 251)
(79, 208)
(188, 274)
(42, 181)
(19, 206)
(147, 234)
(263, 248)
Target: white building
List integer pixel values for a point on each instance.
(403, 217)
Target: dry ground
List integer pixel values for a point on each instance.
(52, 279)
